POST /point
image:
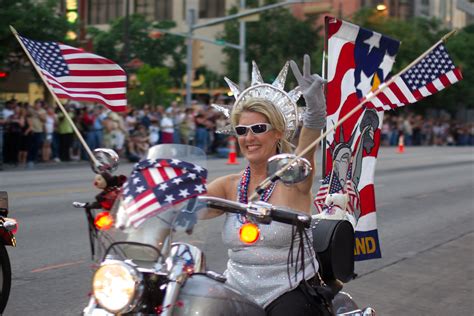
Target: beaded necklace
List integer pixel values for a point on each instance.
(242, 190)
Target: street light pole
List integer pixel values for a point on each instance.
(243, 69)
(191, 20)
(126, 34)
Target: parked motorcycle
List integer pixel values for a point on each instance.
(8, 228)
(157, 268)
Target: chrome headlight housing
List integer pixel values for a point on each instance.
(117, 286)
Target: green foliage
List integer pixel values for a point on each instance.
(152, 51)
(419, 34)
(276, 38)
(152, 87)
(32, 19)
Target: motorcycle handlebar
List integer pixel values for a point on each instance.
(288, 216)
(264, 212)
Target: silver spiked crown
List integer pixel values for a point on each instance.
(275, 93)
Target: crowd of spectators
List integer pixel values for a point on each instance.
(422, 131)
(40, 133)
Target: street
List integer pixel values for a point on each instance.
(424, 212)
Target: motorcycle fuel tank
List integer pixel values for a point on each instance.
(202, 295)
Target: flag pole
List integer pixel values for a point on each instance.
(325, 77)
(268, 181)
(66, 115)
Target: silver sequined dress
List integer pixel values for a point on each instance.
(259, 271)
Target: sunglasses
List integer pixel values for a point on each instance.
(259, 128)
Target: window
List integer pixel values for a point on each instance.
(211, 8)
(155, 10)
(104, 11)
(163, 10)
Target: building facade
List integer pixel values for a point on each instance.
(99, 13)
(453, 13)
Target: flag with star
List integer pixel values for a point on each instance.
(431, 74)
(76, 74)
(358, 60)
(156, 184)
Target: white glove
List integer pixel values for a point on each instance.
(312, 88)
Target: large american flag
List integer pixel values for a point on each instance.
(79, 75)
(358, 61)
(156, 184)
(431, 74)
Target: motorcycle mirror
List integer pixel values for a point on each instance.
(297, 172)
(107, 160)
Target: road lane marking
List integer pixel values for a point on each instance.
(57, 266)
(50, 192)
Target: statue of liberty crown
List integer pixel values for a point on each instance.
(283, 101)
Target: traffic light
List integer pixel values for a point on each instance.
(72, 17)
(71, 11)
(3, 74)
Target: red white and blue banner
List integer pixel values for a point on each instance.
(358, 61)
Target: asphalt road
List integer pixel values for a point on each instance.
(425, 218)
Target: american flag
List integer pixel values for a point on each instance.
(79, 75)
(336, 187)
(431, 74)
(358, 61)
(157, 184)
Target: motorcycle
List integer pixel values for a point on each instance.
(8, 228)
(143, 270)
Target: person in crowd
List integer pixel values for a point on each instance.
(66, 133)
(138, 144)
(49, 127)
(145, 116)
(202, 130)
(131, 121)
(26, 138)
(38, 119)
(154, 132)
(118, 133)
(188, 127)
(176, 114)
(14, 126)
(2, 124)
(92, 122)
(167, 129)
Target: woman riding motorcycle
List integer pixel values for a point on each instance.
(264, 118)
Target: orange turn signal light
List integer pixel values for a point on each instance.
(103, 221)
(249, 233)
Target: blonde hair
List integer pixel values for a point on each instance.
(273, 115)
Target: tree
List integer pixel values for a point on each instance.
(33, 19)
(151, 47)
(276, 38)
(153, 84)
(419, 34)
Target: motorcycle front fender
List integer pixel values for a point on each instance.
(202, 295)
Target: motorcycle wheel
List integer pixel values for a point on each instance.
(5, 277)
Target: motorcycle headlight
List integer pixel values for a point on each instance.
(116, 286)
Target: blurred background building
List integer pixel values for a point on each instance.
(100, 13)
